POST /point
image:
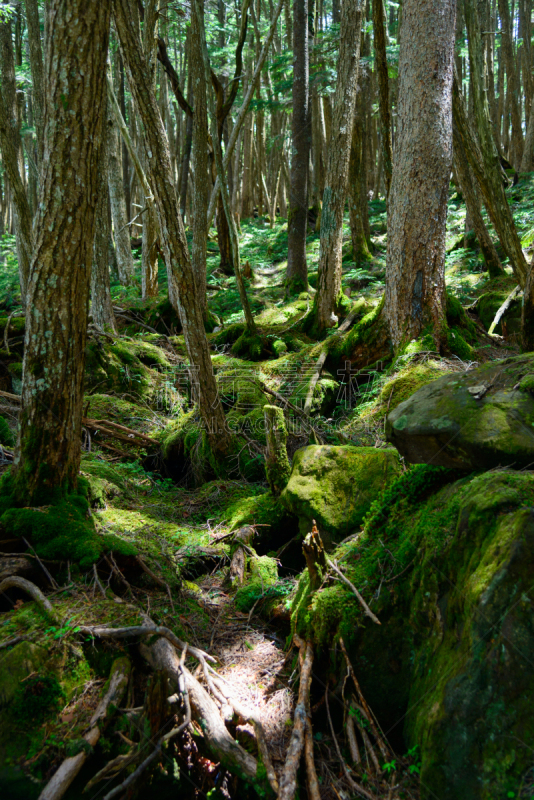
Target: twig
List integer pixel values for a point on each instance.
(97, 582)
(354, 786)
(55, 584)
(364, 605)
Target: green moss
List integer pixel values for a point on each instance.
(36, 698)
(277, 464)
(62, 529)
(6, 434)
(526, 384)
(279, 347)
(249, 346)
(262, 578)
(458, 346)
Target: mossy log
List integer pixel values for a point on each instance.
(277, 464)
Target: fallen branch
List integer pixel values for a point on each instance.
(162, 656)
(156, 579)
(115, 688)
(314, 793)
(323, 354)
(35, 593)
(502, 310)
(384, 748)
(356, 787)
(345, 580)
(94, 423)
(143, 630)
(288, 778)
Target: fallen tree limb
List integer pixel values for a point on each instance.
(115, 688)
(144, 630)
(102, 423)
(162, 656)
(288, 778)
(314, 793)
(345, 580)
(503, 309)
(35, 593)
(356, 787)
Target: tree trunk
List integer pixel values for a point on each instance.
(36, 64)
(379, 29)
(297, 268)
(329, 274)
(11, 145)
(358, 206)
(511, 79)
(125, 262)
(481, 150)
(48, 456)
(247, 200)
(467, 182)
(200, 164)
(415, 276)
(277, 464)
(173, 242)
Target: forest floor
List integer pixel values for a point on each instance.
(179, 517)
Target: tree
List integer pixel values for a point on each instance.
(173, 242)
(48, 455)
(329, 275)
(415, 278)
(297, 269)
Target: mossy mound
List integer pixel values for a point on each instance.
(336, 486)
(447, 568)
(472, 420)
(126, 365)
(261, 578)
(62, 530)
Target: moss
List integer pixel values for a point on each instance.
(526, 384)
(279, 347)
(36, 698)
(277, 464)
(263, 576)
(260, 509)
(62, 529)
(6, 434)
(250, 346)
(446, 565)
(458, 346)
(494, 294)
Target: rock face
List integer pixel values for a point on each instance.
(475, 420)
(448, 571)
(336, 486)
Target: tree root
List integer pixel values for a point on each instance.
(144, 630)
(35, 593)
(115, 688)
(288, 778)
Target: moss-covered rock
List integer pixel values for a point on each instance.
(447, 567)
(475, 420)
(337, 485)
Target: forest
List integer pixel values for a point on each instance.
(266, 399)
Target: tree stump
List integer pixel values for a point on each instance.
(277, 464)
(315, 556)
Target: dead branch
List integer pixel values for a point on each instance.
(16, 398)
(162, 656)
(353, 742)
(356, 787)
(54, 583)
(288, 778)
(155, 578)
(35, 593)
(143, 630)
(115, 688)
(98, 423)
(382, 744)
(345, 580)
(509, 300)
(312, 783)
(97, 582)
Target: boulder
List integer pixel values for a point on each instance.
(479, 419)
(336, 485)
(446, 565)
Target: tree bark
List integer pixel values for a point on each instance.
(511, 78)
(358, 204)
(11, 145)
(173, 242)
(200, 163)
(36, 64)
(329, 274)
(297, 268)
(467, 183)
(48, 455)
(415, 276)
(101, 305)
(125, 262)
(379, 29)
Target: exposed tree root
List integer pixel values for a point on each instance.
(288, 778)
(115, 689)
(35, 593)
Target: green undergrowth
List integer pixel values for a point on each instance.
(62, 529)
